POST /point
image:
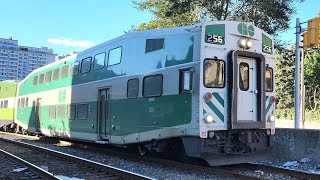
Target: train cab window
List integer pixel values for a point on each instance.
(269, 79)
(244, 76)
(5, 104)
(214, 73)
(56, 74)
(52, 112)
(152, 85)
(74, 70)
(115, 56)
(35, 80)
(82, 111)
(98, 61)
(48, 76)
(64, 71)
(133, 88)
(71, 112)
(85, 65)
(61, 113)
(41, 79)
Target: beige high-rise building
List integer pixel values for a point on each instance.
(17, 61)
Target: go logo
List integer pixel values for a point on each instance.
(62, 95)
(246, 30)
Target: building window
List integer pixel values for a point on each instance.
(41, 79)
(71, 112)
(133, 88)
(64, 71)
(61, 112)
(244, 76)
(48, 76)
(82, 111)
(56, 74)
(85, 65)
(152, 85)
(114, 56)
(35, 80)
(214, 73)
(98, 61)
(269, 79)
(154, 44)
(52, 112)
(74, 68)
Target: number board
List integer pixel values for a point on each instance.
(215, 34)
(266, 44)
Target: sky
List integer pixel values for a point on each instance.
(75, 25)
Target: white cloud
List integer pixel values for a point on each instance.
(70, 42)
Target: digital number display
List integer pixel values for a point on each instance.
(211, 38)
(267, 49)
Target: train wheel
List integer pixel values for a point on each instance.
(142, 150)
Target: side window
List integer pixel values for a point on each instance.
(41, 79)
(61, 112)
(82, 111)
(214, 73)
(52, 112)
(98, 61)
(1, 105)
(18, 102)
(48, 76)
(85, 65)
(27, 101)
(71, 112)
(154, 44)
(269, 79)
(186, 76)
(114, 56)
(64, 71)
(5, 104)
(133, 88)
(22, 102)
(56, 74)
(35, 80)
(152, 85)
(75, 68)
(244, 76)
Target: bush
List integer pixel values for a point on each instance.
(288, 113)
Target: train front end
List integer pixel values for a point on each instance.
(236, 95)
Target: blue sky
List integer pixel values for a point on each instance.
(74, 25)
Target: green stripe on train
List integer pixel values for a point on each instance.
(7, 114)
(129, 115)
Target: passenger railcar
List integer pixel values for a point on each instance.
(8, 91)
(206, 90)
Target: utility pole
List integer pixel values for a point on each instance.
(296, 82)
(302, 103)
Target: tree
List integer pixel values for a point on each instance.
(272, 15)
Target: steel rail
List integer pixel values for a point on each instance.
(93, 164)
(40, 172)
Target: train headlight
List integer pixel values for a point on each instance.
(272, 118)
(249, 44)
(242, 43)
(208, 118)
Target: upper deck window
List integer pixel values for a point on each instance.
(56, 74)
(85, 65)
(41, 79)
(154, 44)
(115, 56)
(48, 76)
(64, 71)
(35, 80)
(214, 73)
(98, 61)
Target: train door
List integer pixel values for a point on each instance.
(103, 114)
(38, 115)
(247, 89)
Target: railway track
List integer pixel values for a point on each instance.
(240, 171)
(59, 165)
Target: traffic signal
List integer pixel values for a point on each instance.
(311, 37)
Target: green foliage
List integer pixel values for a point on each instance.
(284, 77)
(288, 113)
(273, 15)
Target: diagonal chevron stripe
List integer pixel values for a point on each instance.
(215, 110)
(219, 98)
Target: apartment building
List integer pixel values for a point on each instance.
(17, 61)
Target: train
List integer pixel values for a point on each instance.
(205, 91)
